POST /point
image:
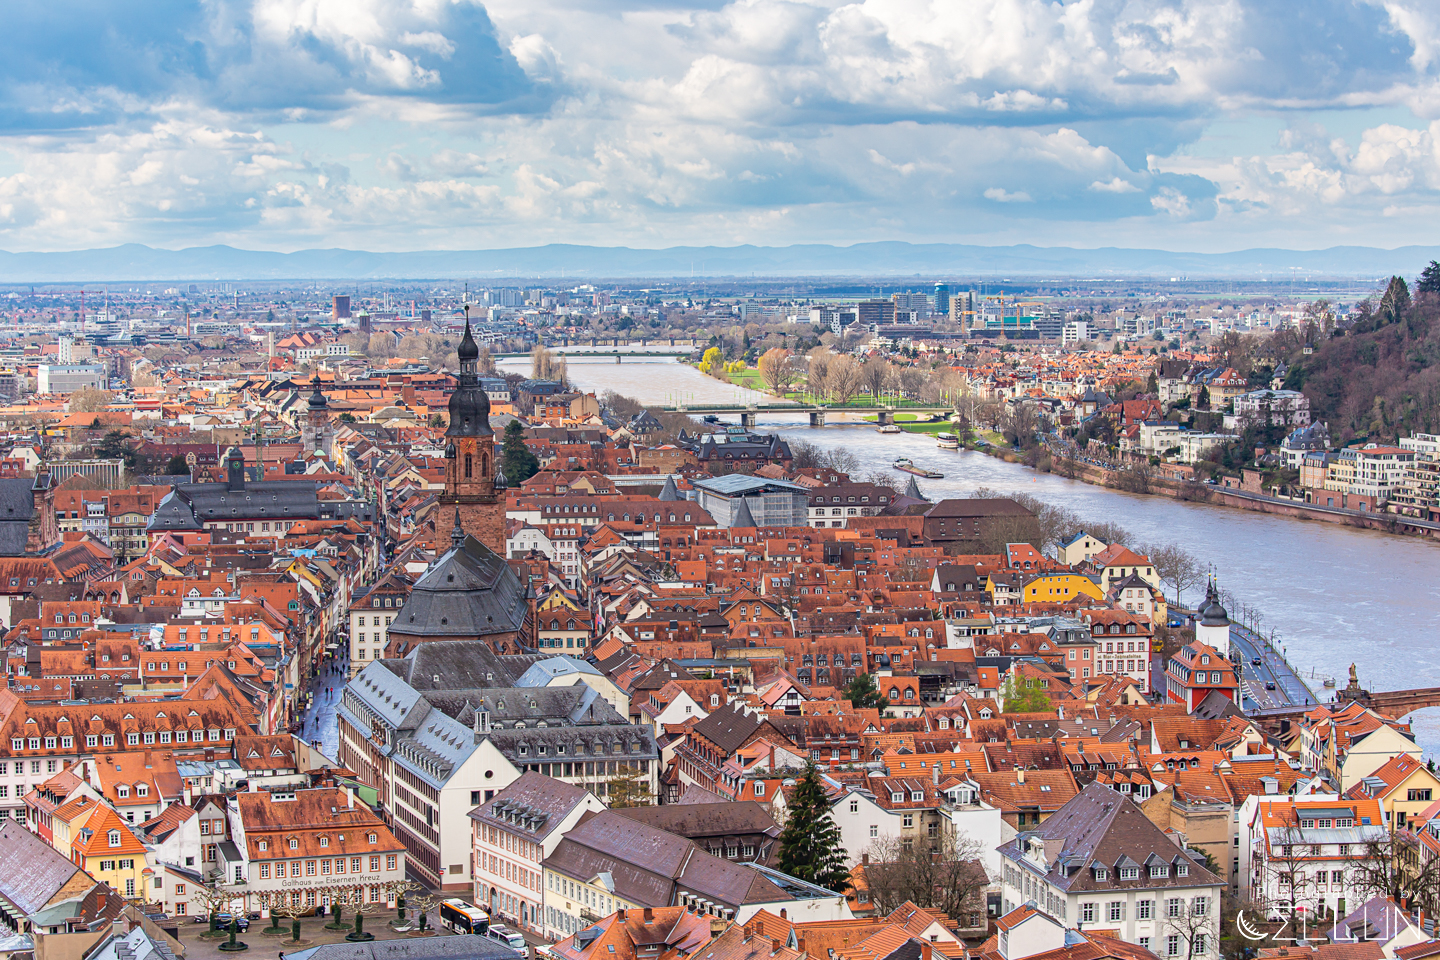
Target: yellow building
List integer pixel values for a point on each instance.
(1404, 786)
(1060, 587)
(106, 849)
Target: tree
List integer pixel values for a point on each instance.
(1175, 566)
(863, 693)
(517, 460)
(214, 898)
(545, 365)
(876, 375)
(944, 873)
(1395, 302)
(711, 361)
(629, 788)
(1193, 923)
(485, 363)
(381, 345)
(177, 466)
(810, 845)
(116, 446)
(776, 370)
(1400, 867)
(89, 400)
(842, 379)
(436, 421)
(1429, 281)
(1023, 698)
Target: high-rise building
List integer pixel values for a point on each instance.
(340, 307)
(942, 299)
(871, 312)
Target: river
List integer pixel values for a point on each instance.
(1332, 594)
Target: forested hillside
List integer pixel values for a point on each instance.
(1375, 377)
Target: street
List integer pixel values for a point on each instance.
(1289, 690)
(318, 721)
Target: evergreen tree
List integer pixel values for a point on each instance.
(177, 466)
(1429, 281)
(863, 693)
(629, 788)
(519, 463)
(1396, 301)
(810, 845)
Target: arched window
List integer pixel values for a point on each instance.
(469, 461)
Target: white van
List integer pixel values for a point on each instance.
(507, 936)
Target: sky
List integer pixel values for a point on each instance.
(1205, 125)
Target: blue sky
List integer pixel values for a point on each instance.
(417, 124)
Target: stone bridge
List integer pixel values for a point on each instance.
(1392, 703)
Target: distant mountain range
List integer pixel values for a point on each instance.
(136, 262)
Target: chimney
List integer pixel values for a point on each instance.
(1019, 774)
(772, 758)
(717, 927)
(924, 950)
(620, 915)
(649, 915)
(774, 946)
(864, 859)
(935, 772)
(802, 944)
(349, 797)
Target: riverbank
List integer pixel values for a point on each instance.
(1190, 491)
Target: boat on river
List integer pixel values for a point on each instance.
(889, 428)
(947, 441)
(905, 465)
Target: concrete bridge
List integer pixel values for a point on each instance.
(748, 413)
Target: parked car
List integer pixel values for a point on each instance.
(224, 919)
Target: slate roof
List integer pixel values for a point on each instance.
(648, 866)
(728, 729)
(17, 505)
(31, 871)
(696, 820)
(190, 505)
(1099, 827)
(469, 591)
(534, 799)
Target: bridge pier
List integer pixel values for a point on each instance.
(817, 417)
(749, 417)
(885, 416)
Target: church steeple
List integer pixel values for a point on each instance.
(470, 469)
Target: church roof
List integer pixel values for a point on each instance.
(470, 591)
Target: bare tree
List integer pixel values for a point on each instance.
(818, 368)
(1286, 864)
(215, 898)
(1194, 923)
(1134, 477)
(944, 872)
(876, 375)
(911, 381)
(1175, 566)
(842, 380)
(291, 906)
(776, 370)
(1400, 867)
(89, 400)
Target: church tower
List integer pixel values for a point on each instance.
(1213, 627)
(315, 432)
(472, 486)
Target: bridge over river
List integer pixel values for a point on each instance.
(749, 413)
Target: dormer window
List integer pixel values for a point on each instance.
(1182, 870)
(1159, 870)
(1101, 874)
(370, 838)
(113, 838)
(294, 844)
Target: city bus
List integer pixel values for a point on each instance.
(459, 916)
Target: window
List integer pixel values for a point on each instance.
(1117, 910)
(1200, 907)
(1172, 907)
(1172, 945)
(114, 838)
(1129, 873)
(874, 831)
(1087, 913)
(1144, 909)
(294, 844)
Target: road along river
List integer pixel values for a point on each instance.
(1332, 594)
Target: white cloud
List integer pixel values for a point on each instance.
(1114, 185)
(1000, 195)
